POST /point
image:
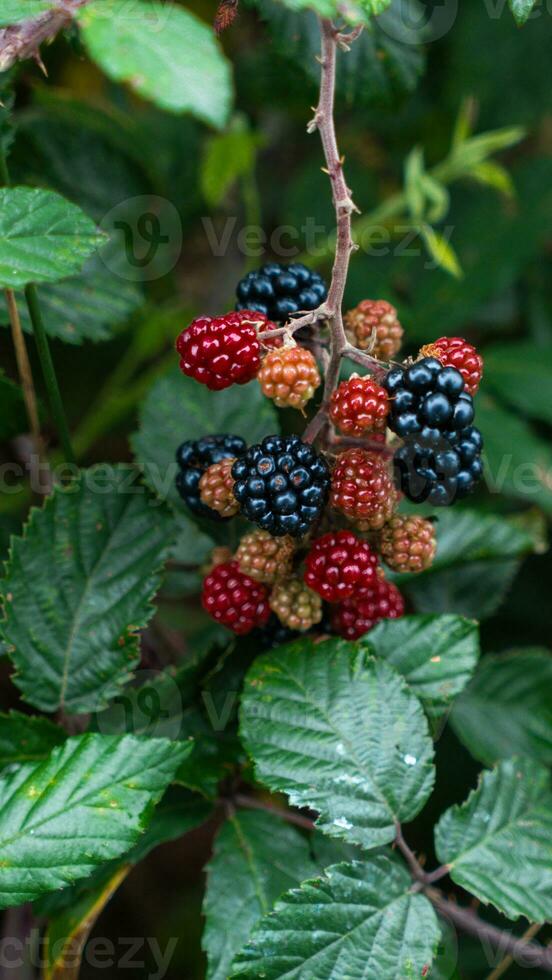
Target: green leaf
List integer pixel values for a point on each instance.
(84, 805)
(506, 709)
(165, 54)
(14, 11)
(477, 557)
(177, 814)
(87, 307)
(43, 237)
(256, 858)
(498, 844)
(521, 375)
(27, 738)
(493, 174)
(341, 734)
(357, 921)
(518, 462)
(13, 418)
(522, 10)
(178, 408)
(227, 157)
(441, 251)
(435, 654)
(92, 554)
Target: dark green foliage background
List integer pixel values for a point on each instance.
(70, 140)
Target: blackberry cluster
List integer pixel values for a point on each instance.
(438, 467)
(194, 458)
(426, 394)
(282, 485)
(280, 290)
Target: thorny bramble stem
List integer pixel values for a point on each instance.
(529, 953)
(23, 40)
(331, 309)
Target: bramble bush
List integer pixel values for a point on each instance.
(264, 503)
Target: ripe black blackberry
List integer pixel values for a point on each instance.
(437, 467)
(194, 458)
(280, 290)
(427, 394)
(282, 485)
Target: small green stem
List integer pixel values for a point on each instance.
(49, 373)
(43, 347)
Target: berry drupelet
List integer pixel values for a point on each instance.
(280, 290)
(282, 485)
(356, 616)
(223, 350)
(456, 352)
(194, 458)
(235, 600)
(359, 405)
(427, 394)
(437, 467)
(340, 565)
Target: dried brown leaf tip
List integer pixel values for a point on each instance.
(226, 14)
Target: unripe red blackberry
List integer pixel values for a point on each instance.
(235, 600)
(359, 405)
(265, 558)
(356, 616)
(223, 350)
(407, 543)
(340, 565)
(373, 325)
(457, 353)
(289, 376)
(295, 605)
(216, 488)
(362, 488)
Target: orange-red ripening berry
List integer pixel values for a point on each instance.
(359, 405)
(373, 325)
(457, 353)
(289, 376)
(216, 488)
(362, 488)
